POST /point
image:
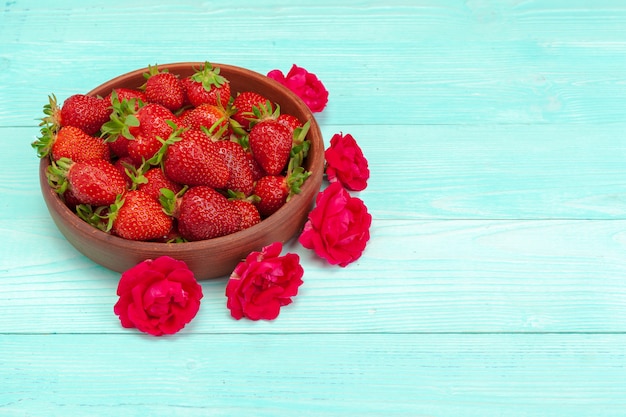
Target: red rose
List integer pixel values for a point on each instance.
(345, 163)
(338, 226)
(263, 283)
(158, 296)
(305, 84)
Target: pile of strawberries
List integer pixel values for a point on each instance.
(176, 159)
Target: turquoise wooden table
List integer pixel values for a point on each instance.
(494, 283)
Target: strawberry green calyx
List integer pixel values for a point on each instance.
(50, 125)
(237, 128)
(136, 174)
(295, 179)
(152, 70)
(122, 118)
(238, 195)
(43, 144)
(95, 217)
(113, 212)
(296, 174)
(170, 200)
(175, 136)
(217, 129)
(300, 147)
(262, 112)
(57, 175)
(52, 112)
(208, 76)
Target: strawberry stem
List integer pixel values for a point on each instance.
(95, 218)
(56, 175)
(175, 136)
(122, 118)
(208, 76)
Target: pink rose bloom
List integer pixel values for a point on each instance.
(263, 283)
(345, 163)
(305, 84)
(158, 296)
(338, 226)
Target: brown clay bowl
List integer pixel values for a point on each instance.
(209, 258)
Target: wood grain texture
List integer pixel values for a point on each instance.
(416, 276)
(493, 284)
(423, 62)
(314, 375)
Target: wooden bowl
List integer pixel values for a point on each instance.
(214, 257)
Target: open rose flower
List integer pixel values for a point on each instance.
(338, 227)
(345, 163)
(158, 296)
(263, 283)
(305, 84)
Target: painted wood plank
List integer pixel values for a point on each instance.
(451, 62)
(415, 276)
(314, 375)
(437, 172)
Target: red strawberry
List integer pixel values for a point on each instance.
(270, 143)
(241, 176)
(138, 216)
(96, 182)
(85, 112)
(248, 212)
(207, 116)
(154, 180)
(273, 191)
(164, 88)
(195, 160)
(70, 142)
(141, 128)
(290, 121)
(257, 171)
(203, 213)
(119, 147)
(205, 85)
(245, 104)
(153, 124)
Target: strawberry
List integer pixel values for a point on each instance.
(257, 171)
(241, 177)
(153, 124)
(119, 147)
(154, 180)
(85, 112)
(203, 213)
(206, 85)
(209, 117)
(143, 128)
(249, 213)
(70, 142)
(290, 121)
(270, 143)
(245, 104)
(164, 88)
(95, 182)
(138, 216)
(273, 191)
(195, 160)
